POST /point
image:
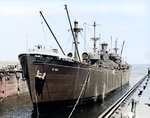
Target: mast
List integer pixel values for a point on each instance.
(116, 46)
(84, 35)
(122, 48)
(27, 43)
(76, 30)
(111, 45)
(94, 38)
(52, 32)
(76, 48)
(99, 41)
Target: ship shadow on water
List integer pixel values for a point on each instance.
(90, 109)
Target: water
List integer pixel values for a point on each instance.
(138, 72)
(21, 106)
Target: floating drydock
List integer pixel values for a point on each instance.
(134, 103)
(11, 80)
(61, 80)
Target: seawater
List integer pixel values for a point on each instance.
(20, 106)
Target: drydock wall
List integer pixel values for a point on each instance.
(9, 84)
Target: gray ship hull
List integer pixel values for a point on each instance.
(62, 81)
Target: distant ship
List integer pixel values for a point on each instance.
(58, 80)
(11, 81)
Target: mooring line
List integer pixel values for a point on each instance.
(80, 94)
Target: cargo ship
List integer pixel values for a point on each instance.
(57, 80)
(11, 80)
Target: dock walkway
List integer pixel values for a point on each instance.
(135, 103)
(138, 105)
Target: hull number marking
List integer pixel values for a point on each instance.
(54, 69)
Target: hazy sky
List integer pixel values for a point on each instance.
(128, 20)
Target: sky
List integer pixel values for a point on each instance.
(22, 27)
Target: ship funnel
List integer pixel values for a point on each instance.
(75, 24)
(104, 46)
(76, 29)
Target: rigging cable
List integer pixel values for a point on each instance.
(60, 6)
(43, 29)
(67, 44)
(56, 22)
(72, 14)
(52, 18)
(72, 47)
(86, 43)
(90, 32)
(66, 41)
